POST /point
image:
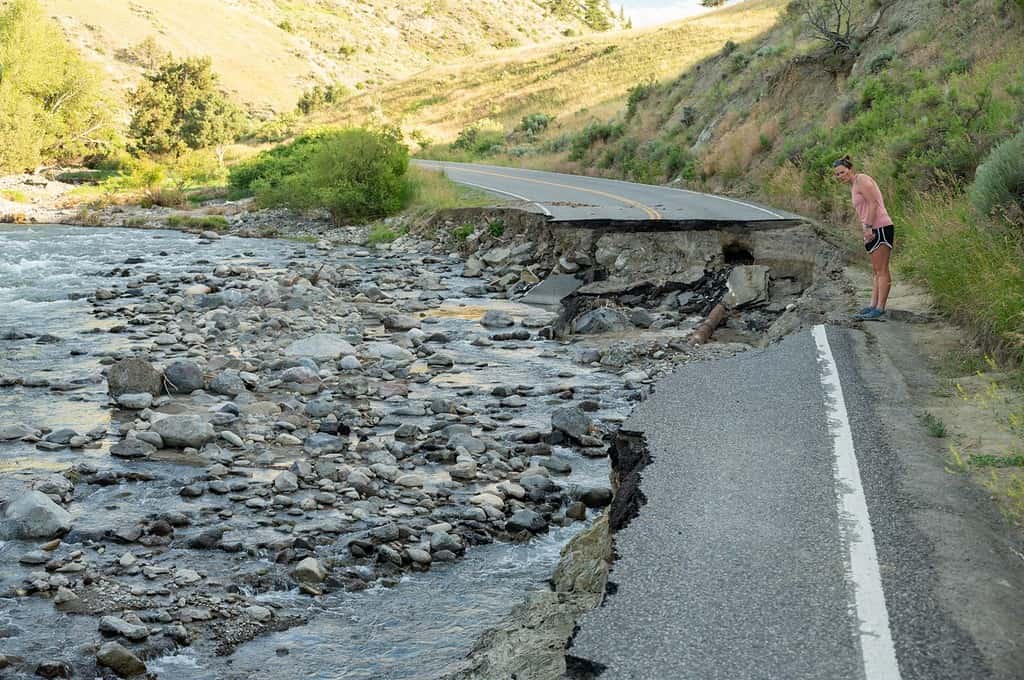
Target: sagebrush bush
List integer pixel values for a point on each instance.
(999, 182)
(355, 174)
(482, 138)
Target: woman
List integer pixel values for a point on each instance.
(878, 233)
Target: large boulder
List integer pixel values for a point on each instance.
(400, 322)
(119, 659)
(526, 520)
(12, 431)
(748, 286)
(389, 351)
(183, 430)
(571, 421)
(320, 347)
(184, 377)
(131, 376)
(601, 320)
(309, 570)
(34, 515)
(229, 383)
(496, 318)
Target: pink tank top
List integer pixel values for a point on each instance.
(864, 199)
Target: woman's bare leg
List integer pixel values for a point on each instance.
(883, 279)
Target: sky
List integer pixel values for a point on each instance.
(649, 12)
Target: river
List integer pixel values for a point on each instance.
(54, 343)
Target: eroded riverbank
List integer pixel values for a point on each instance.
(358, 419)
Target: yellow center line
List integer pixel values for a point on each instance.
(651, 212)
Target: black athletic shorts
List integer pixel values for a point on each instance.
(883, 236)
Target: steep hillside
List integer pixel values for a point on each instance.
(582, 76)
(921, 93)
(267, 52)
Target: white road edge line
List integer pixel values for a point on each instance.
(876, 645)
(507, 193)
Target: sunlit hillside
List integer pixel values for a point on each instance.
(267, 52)
(585, 76)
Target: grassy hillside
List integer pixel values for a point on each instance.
(573, 80)
(267, 52)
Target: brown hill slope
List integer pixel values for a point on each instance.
(267, 52)
(576, 77)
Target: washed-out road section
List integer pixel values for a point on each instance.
(581, 200)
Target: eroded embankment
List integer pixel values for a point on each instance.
(650, 287)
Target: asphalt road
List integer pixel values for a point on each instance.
(747, 560)
(577, 198)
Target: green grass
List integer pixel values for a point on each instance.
(934, 425)
(997, 461)
(463, 231)
(433, 191)
(14, 195)
(381, 233)
(211, 222)
(83, 176)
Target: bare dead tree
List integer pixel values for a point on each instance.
(835, 22)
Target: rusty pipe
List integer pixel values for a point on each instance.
(703, 332)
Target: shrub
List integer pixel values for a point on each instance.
(881, 61)
(534, 124)
(496, 228)
(999, 181)
(594, 132)
(269, 168)
(463, 231)
(483, 138)
(207, 222)
(319, 97)
(356, 174)
(639, 93)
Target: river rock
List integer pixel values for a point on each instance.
(120, 660)
(496, 318)
(320, 347)
(13, 431)
(135, 401)
(400, 322)
(183, 430)
(389, 351)
(309, 570)
(601, 320)
(229, 383)
(131, 376)
(132, 448)
(54, 485)
(526, 520)
(596, 497)
(301, 379)
(34, 515)
(571, 421)
(112, 625)
(747, 286)
(286, 482)
(184, 377)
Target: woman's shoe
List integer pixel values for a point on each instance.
(873, 315)
(861, 313)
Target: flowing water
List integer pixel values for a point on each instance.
(49, 337)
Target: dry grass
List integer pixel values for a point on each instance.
(268, 52)
(574, 80)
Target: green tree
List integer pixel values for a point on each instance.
(595, 14)
(712, 3)
(51, 107)
(179, 107)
